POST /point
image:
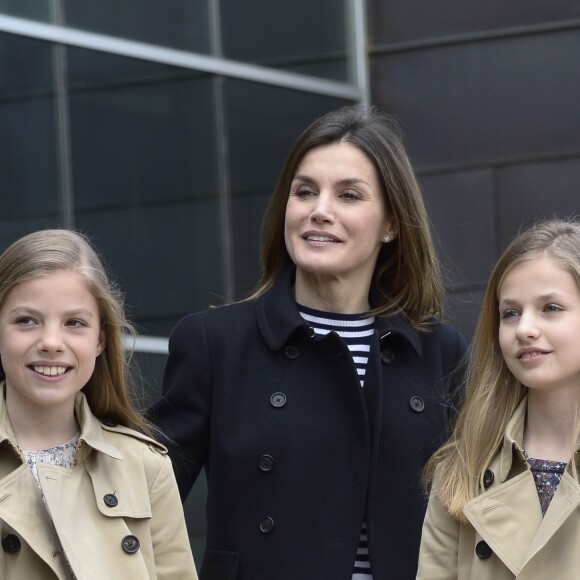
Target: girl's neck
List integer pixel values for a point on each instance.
(550, 430)
(331, 294)
(35, 430)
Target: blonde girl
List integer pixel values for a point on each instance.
(505, 496)
(85, 492)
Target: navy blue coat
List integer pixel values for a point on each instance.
(295, 450)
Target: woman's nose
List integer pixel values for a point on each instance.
(322, 210)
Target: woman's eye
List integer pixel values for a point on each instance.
(552, 308)
(24, 321)
(350, 195)
(75, 323)
(304, 192)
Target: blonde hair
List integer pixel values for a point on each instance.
(407, 278)
(492, 392)
(110, 388)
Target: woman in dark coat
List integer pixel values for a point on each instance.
(314, 404)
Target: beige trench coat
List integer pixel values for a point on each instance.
(121, 488)
(506, 536)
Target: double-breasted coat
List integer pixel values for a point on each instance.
(295, 450)
(116, 514)
(506, 536)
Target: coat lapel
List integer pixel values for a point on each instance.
(508, 518)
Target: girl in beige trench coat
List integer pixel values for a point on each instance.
(505, 498)
(84, 494)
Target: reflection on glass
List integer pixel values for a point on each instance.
(301, 36)
(29, 196)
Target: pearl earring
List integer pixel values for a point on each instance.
(386, 239)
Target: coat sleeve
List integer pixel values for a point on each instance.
(438, 555)
(171, 549)
(183, 412)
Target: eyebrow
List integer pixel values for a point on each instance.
(542, 298)
(346, 181)
(69, 313)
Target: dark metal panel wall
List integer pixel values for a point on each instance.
(488, 101)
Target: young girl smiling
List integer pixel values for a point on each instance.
(505, 497)
(85, 492)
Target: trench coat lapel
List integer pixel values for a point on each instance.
(564, 503)
(22, 508)
(504, 519)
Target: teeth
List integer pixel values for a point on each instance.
(320, 239)
(50, 371)
(530, 354)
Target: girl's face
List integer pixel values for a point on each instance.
(335, 215)
(50, 338)
(539, 331)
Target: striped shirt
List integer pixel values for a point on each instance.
(357, 332)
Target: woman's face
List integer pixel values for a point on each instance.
(335, 216)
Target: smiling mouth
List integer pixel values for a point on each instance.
(531, 354)
(48, 371)
(321, 239)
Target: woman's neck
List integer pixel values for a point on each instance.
(551, 430)
(331, 294)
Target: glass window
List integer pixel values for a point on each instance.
(301, 36)
(29, 189)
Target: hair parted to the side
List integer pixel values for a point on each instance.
(110, 388)
(492, 392)
(407, 276)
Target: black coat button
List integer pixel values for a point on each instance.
(130, 544)
(488, 478)
(387, 356)
(291, 352)
(109, 422)
(278, 400)
(266, 463)
(267, 526)
(11, 543)
(482, 550)
(110, 500)
(417, 404)
(311, 332)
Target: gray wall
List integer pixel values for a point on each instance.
(488, 97)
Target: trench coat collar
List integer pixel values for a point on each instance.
(278, 316)
(91, 434)
(513, 439)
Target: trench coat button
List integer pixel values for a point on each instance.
(278, 400)
(482, 550)
(110, 500)
(267, 526)
(488, 478)
(387, 356)
(291, 352)
(11, 543)
(109, 422)
(417, 404)
(266, 463)
(130, 544)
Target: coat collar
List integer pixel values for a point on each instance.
(513, 439)
(278, 316)
(91, 430)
